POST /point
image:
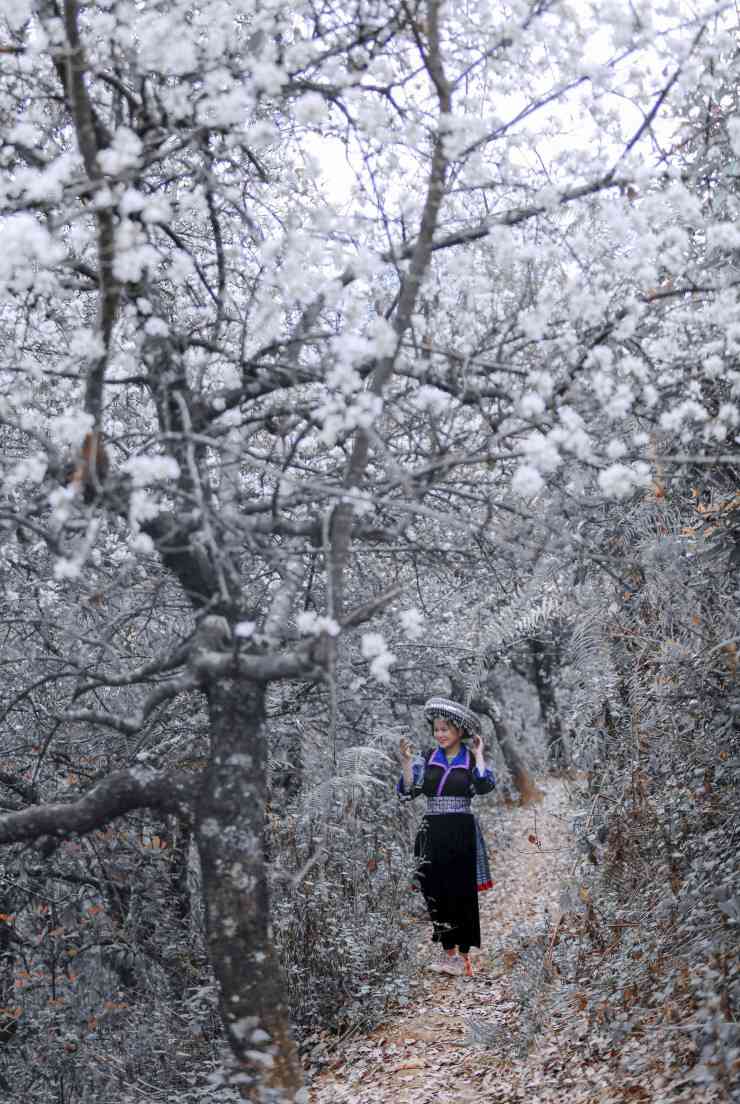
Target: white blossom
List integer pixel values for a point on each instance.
(245, 629)
(374, 648)
(527, 481)
(156, 327)
(412, 623)
(309, 623)
(542, 451)
(70, 428)
(145, 470)
(142, 506)
(123, 153)
(30, 470)
(17, 13)
(531, 405)
(24, 246)
(142, 544)
(382, 337)
(67, 569)
(621, 480)
(310, 108)
(431, 399)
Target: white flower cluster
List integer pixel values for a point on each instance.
(412, 623)
(17, 12)
(30, 470)
(310, 109)
(152, 209)
(531, 405)
(70, 428)
(123, 153)
(164, 50)
(141, 507)
(374, 648)
(431, 399)
(142, 544)
(340, 417)
(621, 480)
(527, 481)
(349, 405)
(542, 451)
(309, 623)
(245, 629)
(25, 247)
(145, 470)
(133, 253)
(156, 327)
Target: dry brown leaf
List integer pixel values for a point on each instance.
(438, 1012)
(415, 1063)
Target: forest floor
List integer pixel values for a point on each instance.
(460, 1040)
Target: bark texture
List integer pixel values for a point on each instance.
(230, 822)
(119, 793)
(544, 666)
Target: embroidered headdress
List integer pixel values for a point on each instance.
(453, 711)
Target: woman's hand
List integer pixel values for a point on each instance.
(405, 751)
(406, 755)
(477, 746)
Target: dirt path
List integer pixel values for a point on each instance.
(430, 1050)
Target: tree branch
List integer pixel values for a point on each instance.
(162, 693)
(341, 529)
(87, 138)
(115, 795)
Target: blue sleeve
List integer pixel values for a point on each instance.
(417, 776)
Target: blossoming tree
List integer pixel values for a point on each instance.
(284, 286)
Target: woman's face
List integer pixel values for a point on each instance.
(447, 735)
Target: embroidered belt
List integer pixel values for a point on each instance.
(436, 805)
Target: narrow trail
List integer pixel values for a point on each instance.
(432, 1049)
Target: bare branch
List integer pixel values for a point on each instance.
(140, 674)
(164, 692)
(115, 795)
(363, 613)
(292, 576)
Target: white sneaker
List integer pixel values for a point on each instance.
(442, 964)
(453, 966)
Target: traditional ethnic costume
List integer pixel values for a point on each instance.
(452, 862)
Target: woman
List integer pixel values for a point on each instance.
(453, 865)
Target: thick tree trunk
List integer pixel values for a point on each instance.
(230, 821)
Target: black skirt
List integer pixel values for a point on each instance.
(445, 851)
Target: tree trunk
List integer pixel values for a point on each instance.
(230, 821)
(520, 776)
(543, 665)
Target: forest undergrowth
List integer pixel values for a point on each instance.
(535, 1023)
